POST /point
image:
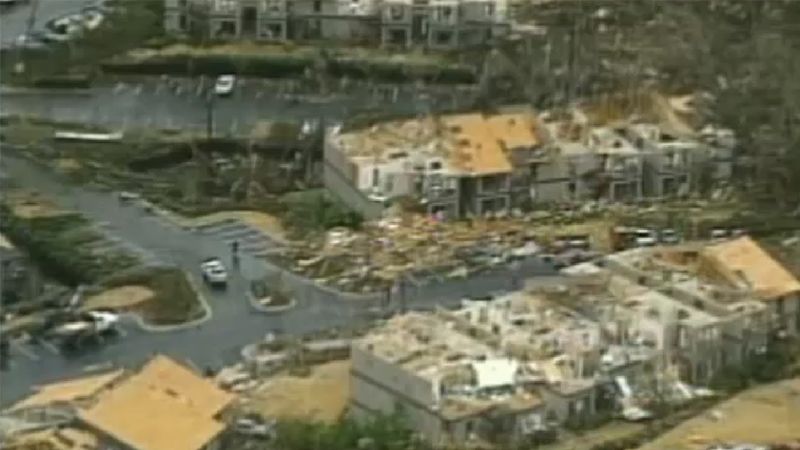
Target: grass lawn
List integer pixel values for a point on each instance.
(173, 299)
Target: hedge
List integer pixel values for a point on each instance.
(47, 240)
(80, 81)
(282, 66)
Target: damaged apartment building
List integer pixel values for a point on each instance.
(735, 279)
(162, 406)
(505, 369)
(398, 23)
(476, 164)
(616, 336)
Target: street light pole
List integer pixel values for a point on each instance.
(209, 115)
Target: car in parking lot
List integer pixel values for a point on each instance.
(669, 236)
(214, 272)
(224, 85)
(645, 237)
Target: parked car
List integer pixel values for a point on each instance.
(644, 237)
(126, 196)
(224, 85)
(719, 234)
(214, 272)
(254, 426)
(669, 236)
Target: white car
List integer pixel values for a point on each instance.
(645, 238)
(214, 272)
(224, 85)
(104, 320)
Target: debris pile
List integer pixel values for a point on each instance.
(414, 246)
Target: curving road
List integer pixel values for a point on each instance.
(234, 322)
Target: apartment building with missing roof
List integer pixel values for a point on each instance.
(735, 277)
(499, 370)
(619, 335)
(750, 294)
(453, 165)
(162, 406)
(487, 163)
(397, 23)
(690, 339)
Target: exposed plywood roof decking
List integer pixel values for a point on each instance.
(469, 144)
(68, 391)
(55, 439)
(164, 406)
(477, 150)
(743, 261)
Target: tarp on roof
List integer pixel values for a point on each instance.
(495, 372)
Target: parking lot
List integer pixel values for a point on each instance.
(181, 103)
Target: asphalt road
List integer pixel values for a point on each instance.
(181, 103)
(14, 20)
(234, 323)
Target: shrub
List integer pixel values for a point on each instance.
(55, 244)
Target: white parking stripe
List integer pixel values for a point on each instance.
(50, 347)
(23, 349)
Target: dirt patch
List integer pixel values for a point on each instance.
(120, 298)
(173, 300)
(321, 396)
(67, 165)
(762, 415)
(29, 205)
(585, 440)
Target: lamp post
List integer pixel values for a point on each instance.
(210, 103)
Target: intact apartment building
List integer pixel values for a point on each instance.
(398, 23)
(477, 164)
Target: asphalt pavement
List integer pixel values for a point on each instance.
(181, 103)
(234, 322)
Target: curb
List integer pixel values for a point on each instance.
(340, 295)
(12, 91)
(270, 309)
(208, 313)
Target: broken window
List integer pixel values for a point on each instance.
(436, 165)
(490, 9)
(317, 6)
(572, 187)
(446, 13)
(398, 37)
(226, 28)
